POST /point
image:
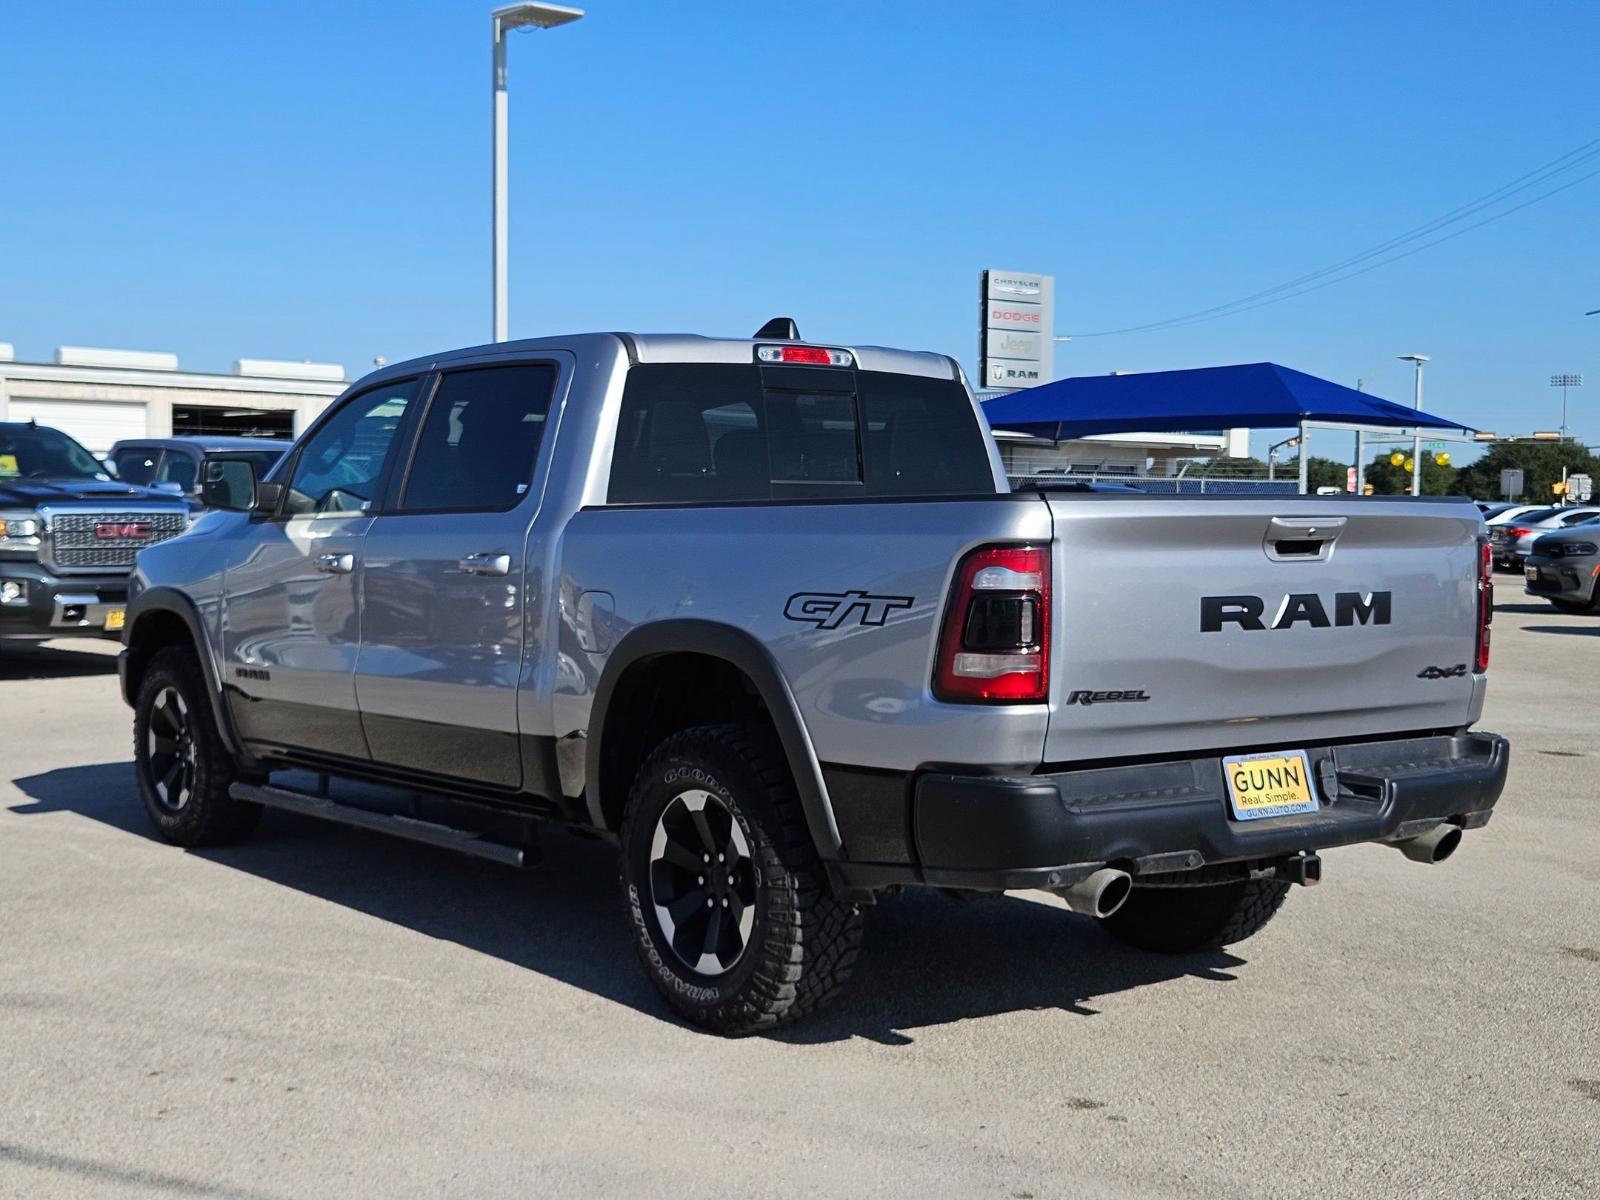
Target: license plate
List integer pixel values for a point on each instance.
(1269, 785)
(1531, 572)
(115, 617)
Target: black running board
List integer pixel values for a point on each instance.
(464, 841)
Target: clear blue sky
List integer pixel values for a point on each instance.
(311, 181)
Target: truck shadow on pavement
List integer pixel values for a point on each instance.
(1579, 630)
(926, 960)
(22, 661)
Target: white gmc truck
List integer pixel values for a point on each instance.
(767, 613)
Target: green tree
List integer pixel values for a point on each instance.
(1541, 464)
(1323, 472)
(1392, 479)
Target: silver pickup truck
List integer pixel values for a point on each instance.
(767, 612)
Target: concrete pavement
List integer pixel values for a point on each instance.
(325, 1012)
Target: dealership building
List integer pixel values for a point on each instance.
(104, 396)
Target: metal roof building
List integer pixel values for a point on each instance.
(103, 396)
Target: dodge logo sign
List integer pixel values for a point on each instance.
(122, 530)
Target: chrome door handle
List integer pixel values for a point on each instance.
(485, 564)
(335, 564)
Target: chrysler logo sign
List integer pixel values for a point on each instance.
(122, 530)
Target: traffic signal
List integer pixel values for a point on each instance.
(1396, 459)
(1442, 459)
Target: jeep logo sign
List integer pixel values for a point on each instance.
(1297, 608)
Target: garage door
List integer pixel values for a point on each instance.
(94, 423)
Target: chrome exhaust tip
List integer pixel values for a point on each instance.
(1438, 844)
(1099, 895)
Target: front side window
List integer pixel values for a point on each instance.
(341, 466)
(177, 467)
(479, 439)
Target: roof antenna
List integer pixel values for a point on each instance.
(779, 329)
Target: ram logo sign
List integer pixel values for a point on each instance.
(1296, 608)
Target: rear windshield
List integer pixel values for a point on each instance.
(695, 431)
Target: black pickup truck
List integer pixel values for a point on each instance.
(68, 536)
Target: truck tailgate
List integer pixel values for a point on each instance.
(1192, 624)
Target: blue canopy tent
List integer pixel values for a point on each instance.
(1251, 395)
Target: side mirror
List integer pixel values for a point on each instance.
(229, 484)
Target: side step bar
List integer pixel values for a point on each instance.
(464, 841)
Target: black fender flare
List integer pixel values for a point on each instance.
(178, 604)
(744, 652)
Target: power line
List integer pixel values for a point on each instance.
(1543, 174)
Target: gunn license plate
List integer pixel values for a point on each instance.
(1269, 785)
(115, 617)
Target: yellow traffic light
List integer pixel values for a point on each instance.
(1410, 463)
(1442, 459)
(1396, 459)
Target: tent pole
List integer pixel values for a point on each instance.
(1361, 462)
(1305, 465)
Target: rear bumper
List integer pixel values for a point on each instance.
(995, 833)
(53, 606)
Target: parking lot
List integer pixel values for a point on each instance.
(325, 1012)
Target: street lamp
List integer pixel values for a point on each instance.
(512, 16)
(1564, 382)
(1416, 434)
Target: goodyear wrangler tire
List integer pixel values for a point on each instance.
(184, 769)
(1179, 920)
(729, 907)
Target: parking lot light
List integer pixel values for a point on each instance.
(512, 16)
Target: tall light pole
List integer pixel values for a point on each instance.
(512, 16)
(1564, 382)
(1416, 434)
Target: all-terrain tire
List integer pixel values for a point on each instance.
(184, 769)
(802, 942)
(1180, 920)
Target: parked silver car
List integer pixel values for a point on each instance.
(1512, 540)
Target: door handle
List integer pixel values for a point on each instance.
(485, 564)
(335, 564)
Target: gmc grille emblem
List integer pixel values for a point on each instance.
(122, 530)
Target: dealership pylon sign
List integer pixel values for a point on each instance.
(1017, 319)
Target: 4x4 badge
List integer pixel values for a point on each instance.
(1442, 672)
(829, 610)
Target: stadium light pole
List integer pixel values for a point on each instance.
(512, 16)
(1416, 434)
(1564, 382)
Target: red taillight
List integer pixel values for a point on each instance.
(1485, 603)
(1517, 531)
(995, 645)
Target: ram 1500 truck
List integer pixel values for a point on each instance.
(767, 612)
(68, 536)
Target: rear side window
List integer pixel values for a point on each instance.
(706, 432)
(137, 466)
(479, 439)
